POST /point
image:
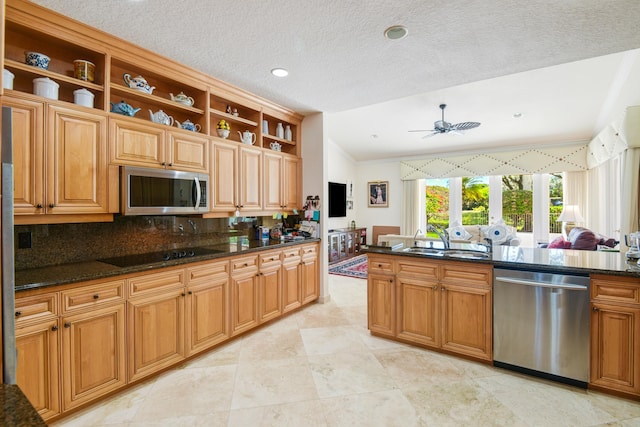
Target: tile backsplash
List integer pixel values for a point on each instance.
(55, 244)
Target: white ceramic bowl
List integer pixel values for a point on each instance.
(37, 59)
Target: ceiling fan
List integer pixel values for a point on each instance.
(441, 126)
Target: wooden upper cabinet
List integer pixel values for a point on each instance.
(136, 144)
(272, 183)
(250, 179)
(188, 152)
(224, 176)
(77, 179)
(291, 183)
(28, 154)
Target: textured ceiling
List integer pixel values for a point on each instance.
(340, 63)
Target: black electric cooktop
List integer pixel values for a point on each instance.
(153, 257)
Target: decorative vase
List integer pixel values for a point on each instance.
(223, 133)
(287, 133)
(279, 131)
(265, 127)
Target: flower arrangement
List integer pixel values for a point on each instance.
(222, 124)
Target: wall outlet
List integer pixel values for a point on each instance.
(24, 240)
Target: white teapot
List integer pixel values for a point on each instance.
(182, 98)
(161, 117)
(247, 137)
(188, 125)
(138, 83)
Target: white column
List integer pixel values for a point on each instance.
(495, 198)
(540, 208)
(455, 200)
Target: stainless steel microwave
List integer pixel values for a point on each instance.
(146, 191)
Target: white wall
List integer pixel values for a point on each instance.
(342, 168)
(378, 171)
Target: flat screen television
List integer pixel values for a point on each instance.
(337, 200)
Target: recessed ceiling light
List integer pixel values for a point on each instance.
(374, 136)
(517, 115)
(396, 32)
(279, 72)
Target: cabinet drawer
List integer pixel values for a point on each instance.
(309, 251)
(418, 269)
(615, 289)
(36, 308)
(244, 265)
(466, 274)
(291, 256)
(270, 259)
(197, 275)
(380, 265)
(154, 282)
(92, 295)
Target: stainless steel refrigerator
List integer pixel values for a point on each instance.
(8, 264)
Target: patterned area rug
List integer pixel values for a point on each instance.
(353, 267)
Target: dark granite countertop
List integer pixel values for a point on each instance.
(15, 409)
(564, 261)
(36, 278)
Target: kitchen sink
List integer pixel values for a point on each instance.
(450, 253)
(425, 251)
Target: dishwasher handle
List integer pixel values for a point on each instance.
(570, 286)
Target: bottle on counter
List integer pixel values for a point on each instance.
(279, 131)
(287, 133)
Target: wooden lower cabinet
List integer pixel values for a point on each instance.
(93, 354)
(156, 332)
(244, 294)
(207, 313)
(270, 286)
(310, 273)
(38, 364)
(76, 343)
(615, 335)
(440, 304)
(291, 279)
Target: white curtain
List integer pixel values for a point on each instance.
(630, 165)
(412, 207)
(601, 206)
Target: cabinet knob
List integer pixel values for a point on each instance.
(435, 287)
(163, 164)
(18, 313)
(443, 289)
(51, 205)
(170, 164)
(67, 325)
(96, 296)
(190, 292)
(596, 309)
(39, 206)
(183, 294)
(379, 265)
(54, 328)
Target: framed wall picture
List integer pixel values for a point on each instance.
(378, 194)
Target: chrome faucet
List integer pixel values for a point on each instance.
(193, 224)
(415, 237)
(488, 245)
(442, 234)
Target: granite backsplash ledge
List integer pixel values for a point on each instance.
(56, 244)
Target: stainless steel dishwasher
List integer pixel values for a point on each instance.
(541, 324)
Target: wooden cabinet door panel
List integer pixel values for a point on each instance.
(270, 294)
(272, 181)
(93, 354)
(136, 144)
(28, 155)
(466, 317)
(156, 333)
(309, 278)
(38, 366)
(381, 301)
(291, 182)
(291, 281)
(244, 303)
(418, 308)
(615, 347)
(76, 162)
(225, 177)
(207, 314)
(250, 179)
(188, 152)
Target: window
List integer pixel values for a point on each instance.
(517, 202)
(475, 200)
(555, 203)
(437, 202)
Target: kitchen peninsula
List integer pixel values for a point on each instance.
(445, 300)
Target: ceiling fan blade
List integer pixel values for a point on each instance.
(465, 125)
(421, 130)
(429, 135)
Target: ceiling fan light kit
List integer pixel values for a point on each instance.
(441, 126)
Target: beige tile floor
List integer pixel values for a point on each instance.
(320, 367)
